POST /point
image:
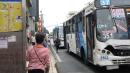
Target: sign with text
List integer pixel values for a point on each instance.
(107, 3)
(11, 14)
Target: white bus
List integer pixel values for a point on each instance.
(100, 33)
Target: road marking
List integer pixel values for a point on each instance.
(55, 54)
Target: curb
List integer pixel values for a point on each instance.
(57, 67)
(58, 60)
(55, 54)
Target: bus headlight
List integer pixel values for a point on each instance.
(108, 52)
(103, 51)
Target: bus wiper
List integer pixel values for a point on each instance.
(113, 20)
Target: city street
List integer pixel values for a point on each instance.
(69, 63)
(65, 36)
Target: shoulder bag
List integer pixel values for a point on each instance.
(46, 69)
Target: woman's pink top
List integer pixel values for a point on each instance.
(34, 62)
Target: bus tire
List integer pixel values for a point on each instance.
(82, 53)
(87, 62)
(68, 48)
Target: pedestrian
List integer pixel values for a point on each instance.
(28, 37)
(33, 40)
(57, 44)
(45, 43)
(38, 56)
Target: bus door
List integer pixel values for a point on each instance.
(81, 40)
(64, 31)
(77, 26)
(90, 36)
(73, 39)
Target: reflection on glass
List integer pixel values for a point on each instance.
(118, 15)
(111, 24)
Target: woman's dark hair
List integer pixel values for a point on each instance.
(39, 38)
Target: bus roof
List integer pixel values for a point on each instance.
(90, 6)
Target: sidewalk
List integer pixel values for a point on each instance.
(52, 64)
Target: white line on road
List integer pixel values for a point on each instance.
(56, 55)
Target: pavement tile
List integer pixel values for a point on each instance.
(52, 64)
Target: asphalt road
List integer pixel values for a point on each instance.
(76, 65)
(70, 63)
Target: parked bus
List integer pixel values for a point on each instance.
(58, 33)
(100, 33)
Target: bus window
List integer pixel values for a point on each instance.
(111, 24)
(104, 24)
(128, 20)
(73, 26)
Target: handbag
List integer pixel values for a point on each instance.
(46, 69)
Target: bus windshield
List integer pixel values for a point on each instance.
(111, 24)
(61, 35)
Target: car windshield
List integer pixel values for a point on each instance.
(111, 24)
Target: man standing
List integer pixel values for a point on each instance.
(57, 44)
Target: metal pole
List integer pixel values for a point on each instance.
(24, 33)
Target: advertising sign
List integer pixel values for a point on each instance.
(11, 14)
(12, 39)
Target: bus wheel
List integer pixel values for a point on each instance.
(68, 48)
(82, 53)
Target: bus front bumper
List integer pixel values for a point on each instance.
(113, 60)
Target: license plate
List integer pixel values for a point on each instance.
(112, 67)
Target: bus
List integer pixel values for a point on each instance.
(100, 33)
(58, 33)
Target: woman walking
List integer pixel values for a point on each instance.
(38, 56)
